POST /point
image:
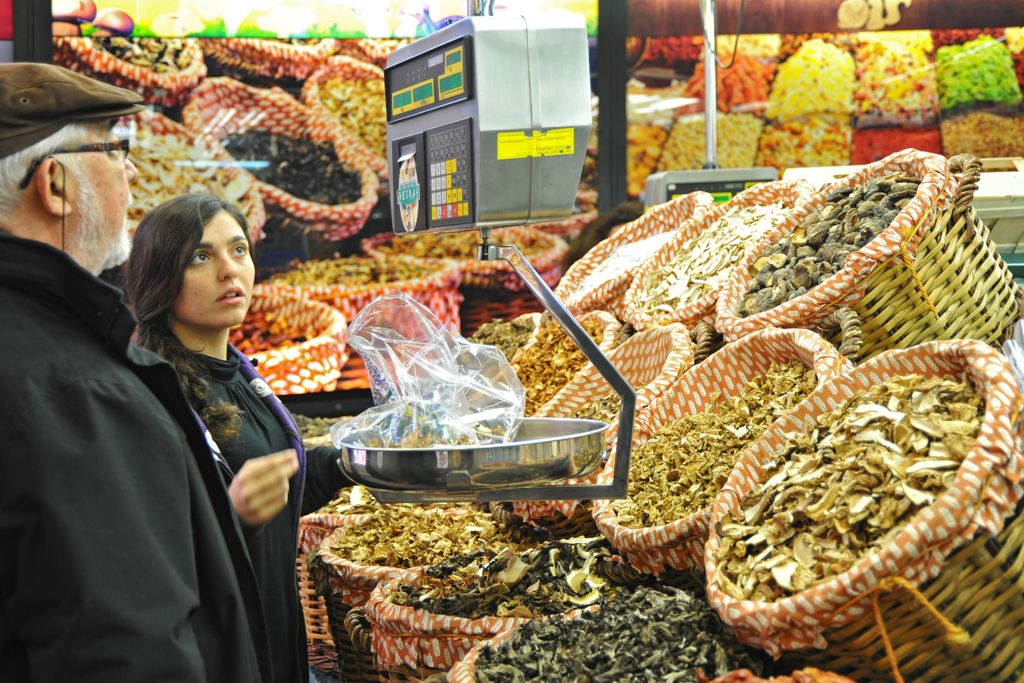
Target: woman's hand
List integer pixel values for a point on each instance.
(260, 489)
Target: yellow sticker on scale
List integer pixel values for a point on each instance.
(551, 143)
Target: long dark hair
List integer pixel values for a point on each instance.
(162, 247)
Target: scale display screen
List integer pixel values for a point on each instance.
(435, 79)
(720, 191)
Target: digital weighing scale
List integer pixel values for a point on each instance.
(488, 121)
(722, 184)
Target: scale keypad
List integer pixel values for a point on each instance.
(449, 162)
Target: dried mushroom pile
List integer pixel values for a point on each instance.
(550, 362)
(645, 634)
(457, 245)
(301, 167)
(680, 470)
(840, 492)
(508, 336)
(355, 500)
(556, 578)
(603, 409)
(360, 107)
(161, 55)
(817, 249)
(354, 271)
(705, 261)
(409, 536)
(169, 166)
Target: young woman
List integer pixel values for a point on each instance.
(189, 280)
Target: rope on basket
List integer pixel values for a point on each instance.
(955, 635)
(909, 263)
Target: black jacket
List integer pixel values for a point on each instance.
(120, 556)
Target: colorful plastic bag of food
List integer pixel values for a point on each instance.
(430, 385)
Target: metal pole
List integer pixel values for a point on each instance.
(710, 84)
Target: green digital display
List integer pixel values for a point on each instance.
(423, 92)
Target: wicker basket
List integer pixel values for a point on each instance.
(438, 291)
(933, 274)
(680, 544)
(546, 258)
(349, 69)
(277, 112)
(309, 366)
(583, 289)
(653, 361)
(359, 632)
(480, 306)
(313, 529)
(271, 58)
(942, 599)
(374, 51)
(164, 89)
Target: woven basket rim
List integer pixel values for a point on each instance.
(175, 81)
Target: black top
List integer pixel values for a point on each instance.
(120, 556)
(272, 546)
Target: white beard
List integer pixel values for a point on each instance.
(89, 244)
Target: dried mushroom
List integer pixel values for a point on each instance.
(360, 106)
(681, 469)
(549, 364)
(818, 248)
(643, 634)
(355, 500)
(555, 578)
(354, 271)
(169, 166)
(300, 166)
(508, 336)
(836, 494)
(704, 262)
(603, 409)
(414, 536)
(161, 55)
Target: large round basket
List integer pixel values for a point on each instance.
(543, 251)
(166, 89)
(271, 58)
(311, 365)
(679, 544)
(941, 599)
(934, 273)
(349, 69)
(276, 112)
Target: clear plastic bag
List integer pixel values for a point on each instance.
(431, 386)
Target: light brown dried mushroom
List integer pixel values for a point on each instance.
(680, 470)
(838, 493)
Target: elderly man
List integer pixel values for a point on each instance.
(120, 556)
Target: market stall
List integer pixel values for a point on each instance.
(824, 478)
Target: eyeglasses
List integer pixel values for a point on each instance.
(120, 146)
